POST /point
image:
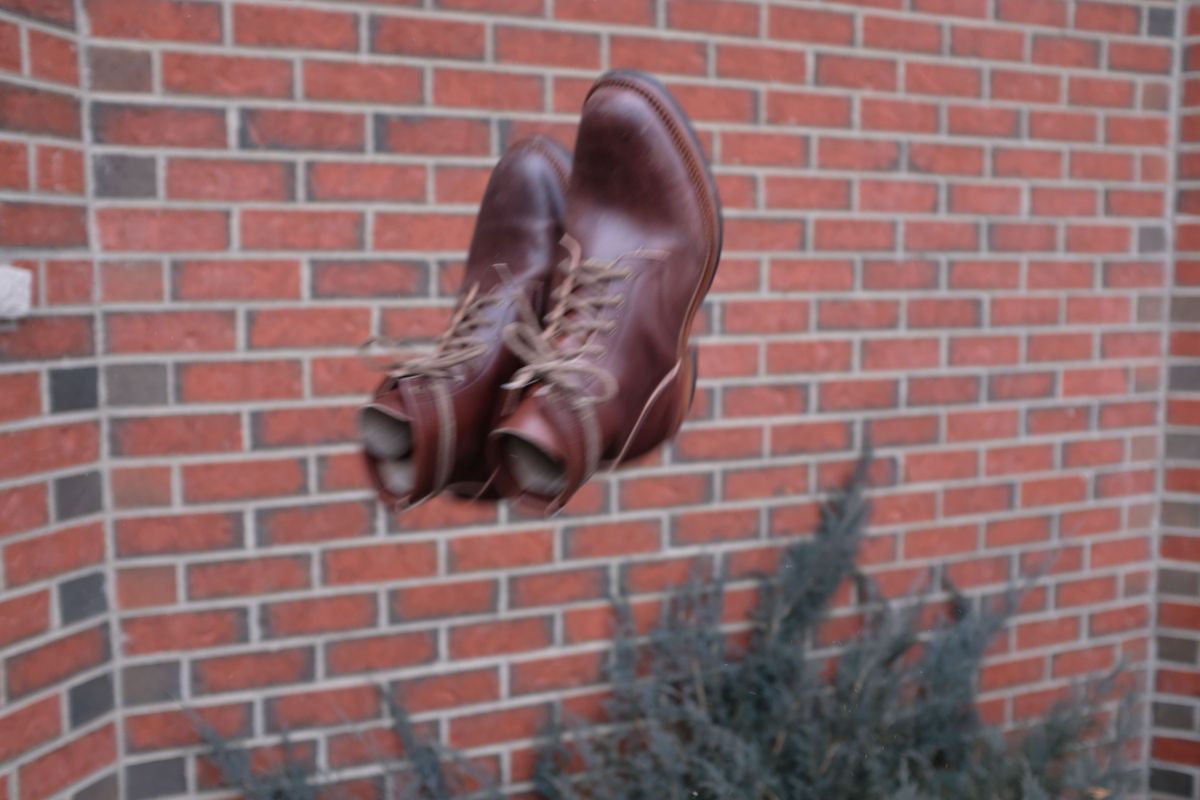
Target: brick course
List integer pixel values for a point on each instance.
(948, 227)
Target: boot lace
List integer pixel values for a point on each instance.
(459, 344)
(556, 354)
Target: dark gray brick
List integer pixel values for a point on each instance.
(1184, 377)
(150, 683)
(124, 176)
(136, 384)
(112, 69)
(107, 788)
(1177, 650)
(78, 495)
(1183, 445)
(1170, 782)
(155, 779)
(1161, 22)
(1174, 715)
(90, 699)
(74, 389)
(1179, 581)
(82, 597)
(1185, 309)
(1151, 239)
(1180, 515)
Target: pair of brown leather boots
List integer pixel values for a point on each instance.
(568, 349)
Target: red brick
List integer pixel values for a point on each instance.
(414, 36)
(137, 230)
(313, 523)
(373, 653)
(323, 708)
(193, 630)
(751, 62)
(607, 540)
(226, 76)
(375, 563)
(1106, 17)
(856, 72)
(131, 282)
(29, 727)
(850, 395)
(1066, 51)
(945, 159)
(440, 600)
(551, 48)
(162, 20)
(171, 331)
(42, 225)
(32, 450)
(279, 129)
(990, 44)
(182, 533)
(318, 615)
(627, 12)
(335, 181)
(60, 170)
(523, 548)
(810, 25)
(807, 193)
(487, 89)
(1087, 591)
(50, 773)
(214, 179)
(367, 83)
(449, 690)
(699, 444)
(1108, 92)
(892, 33)
(14, 164)
(316, 327)
(557, 673)
(442, 232)
(498, 726)
(557, 588)
(763, 148)
(158, 126)
(169, 729)
(252, 670)
(146, 587)
(176, 435)
(982, 121)
(785, 481)
(55, 661)
(301, 230)
(766, 400)
(715, 16)
(247, 577)
(242, 480)
(283, 26)
(20, 396)
(484, 639)
(808, 109)
(24, 616)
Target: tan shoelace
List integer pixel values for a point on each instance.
(458, 344)
(555, 355)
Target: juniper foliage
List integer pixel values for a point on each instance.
(693, 716)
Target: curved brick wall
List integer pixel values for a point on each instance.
(946, 228)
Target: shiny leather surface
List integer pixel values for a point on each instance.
(638, 182)
(513, 251)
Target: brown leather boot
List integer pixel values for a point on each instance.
(426, 428)
(611, 377)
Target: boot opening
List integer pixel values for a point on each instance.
(384, 436)
(532, 468)
(396, 476)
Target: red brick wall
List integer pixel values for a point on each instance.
(1176, 744)
(945, 229)
(58, 731)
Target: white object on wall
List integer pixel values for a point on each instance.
(16, 292)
